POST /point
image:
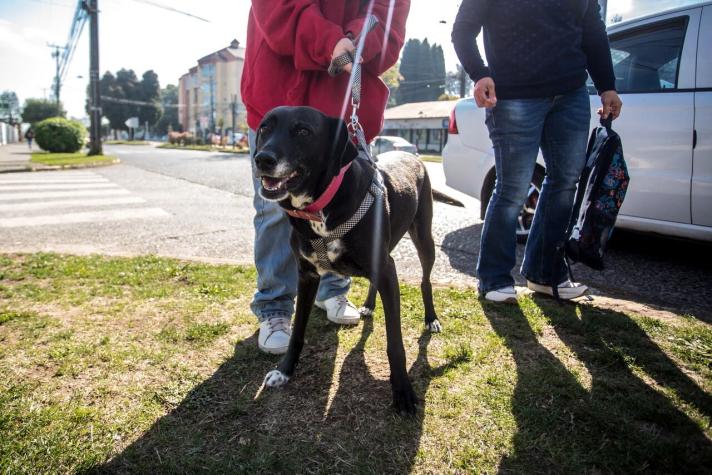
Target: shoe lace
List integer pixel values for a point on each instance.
(278, 324)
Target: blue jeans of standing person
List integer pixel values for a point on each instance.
(558, 125)
(277, 271)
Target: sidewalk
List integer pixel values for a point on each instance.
(15, 157)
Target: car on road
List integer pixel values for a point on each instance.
(388, 143)
(663, 68)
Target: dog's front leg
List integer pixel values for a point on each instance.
(404, 398)
(306, 292)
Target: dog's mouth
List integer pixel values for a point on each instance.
(274, 187)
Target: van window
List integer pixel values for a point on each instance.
(646, 59)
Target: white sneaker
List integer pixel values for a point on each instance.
(340, 310)
(567, 290)
(274, 335)
(504, 295)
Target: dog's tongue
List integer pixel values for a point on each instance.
(272, 183)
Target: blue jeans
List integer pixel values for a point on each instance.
(518, 128)
(277, 272)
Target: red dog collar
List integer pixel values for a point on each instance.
(312, 210)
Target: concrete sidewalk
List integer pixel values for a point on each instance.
(15, 157)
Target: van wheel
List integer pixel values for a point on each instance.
(526, 215)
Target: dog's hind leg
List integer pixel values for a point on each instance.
(370, 303)
(422, 236)
(404, 398)
(306, 292)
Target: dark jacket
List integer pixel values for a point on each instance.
(535, 48)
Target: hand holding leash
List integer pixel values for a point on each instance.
(353, 61)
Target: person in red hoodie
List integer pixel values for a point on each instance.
(290, 44)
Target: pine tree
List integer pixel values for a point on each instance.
(423, 71)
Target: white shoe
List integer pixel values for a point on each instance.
(505, 294)
(567, 290)
(274, 335)
(340, 310)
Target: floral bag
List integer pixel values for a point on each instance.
(599, 197)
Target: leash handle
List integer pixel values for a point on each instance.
(336, 68)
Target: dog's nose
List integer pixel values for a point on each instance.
(265, 160)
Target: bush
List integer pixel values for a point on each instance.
(58, 135)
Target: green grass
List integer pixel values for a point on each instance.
(431, 158)
(204, 148)
(150, 365)
(71, 159)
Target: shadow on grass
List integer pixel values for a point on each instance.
(635, 268)
(221, 426)
(621, 424)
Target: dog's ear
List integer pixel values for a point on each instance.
(342, 148)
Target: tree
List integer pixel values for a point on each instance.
(423, 71)
(454, 82)
(124, 96)
(9, 107)
(392, 78)
(169, 119)
(36, 110)
(149, 92)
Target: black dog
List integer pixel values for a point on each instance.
(305, 158)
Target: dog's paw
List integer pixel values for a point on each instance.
(434, 326)
(365, 312)
(405, 400)
(275, 379)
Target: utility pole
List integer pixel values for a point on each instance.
(233, 109)
(56, 55)
(463, 82)
(92, 8)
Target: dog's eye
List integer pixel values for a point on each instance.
(303, 132)
(263, 130)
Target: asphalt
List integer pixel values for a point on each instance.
(198, 205)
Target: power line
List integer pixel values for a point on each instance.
(171, 9)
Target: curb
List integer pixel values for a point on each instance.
(43, 168)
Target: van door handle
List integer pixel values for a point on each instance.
(694, 138)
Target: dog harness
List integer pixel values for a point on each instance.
(376, 193)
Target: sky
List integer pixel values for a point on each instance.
(139, 36)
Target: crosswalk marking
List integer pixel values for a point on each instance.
(95, 202)
(52, 186)
(83, 217)
(61, 194)
(65, 198)
(53, 181)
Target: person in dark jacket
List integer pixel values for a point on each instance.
(290, 44)
(539, 53)
(29, 135)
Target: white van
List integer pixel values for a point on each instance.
(663, 68)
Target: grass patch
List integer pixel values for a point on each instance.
(431, 158)
(71, 159)
(204, 148)
(150, 365)
(126, 142)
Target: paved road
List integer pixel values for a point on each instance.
(198, 205)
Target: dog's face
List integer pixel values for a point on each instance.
(299, 149)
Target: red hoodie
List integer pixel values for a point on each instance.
(289, 46)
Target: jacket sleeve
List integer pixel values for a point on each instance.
(297, 28)
(467, 26)
(383, 44)
(597, 50)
